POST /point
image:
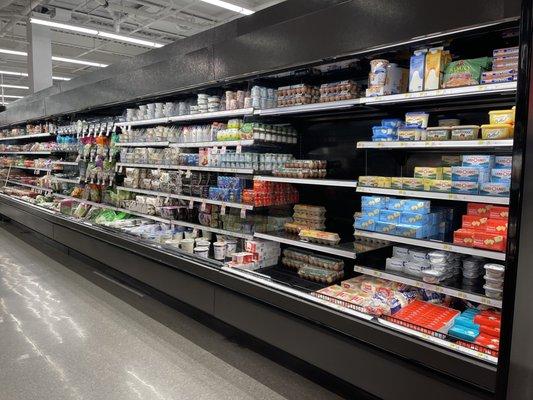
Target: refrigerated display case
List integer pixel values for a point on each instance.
(360, 213)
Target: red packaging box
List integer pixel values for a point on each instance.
(474, 222)
(499, 212)
(488, 341)
(498, 226)
(489, 330)
(481, 210)
(464, 237)
(489, 241)
(487, 320)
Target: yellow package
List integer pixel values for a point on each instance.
(447, 173)
(413, 184)
(436, 61)
(438, 185)
(368, 181)
(396, 183)
(428, 172)
(502, 116)
(497, 131)
(384, 182)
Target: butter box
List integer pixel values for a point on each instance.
(428, 172)
(417, 206)
(486, 161)
(489, 241)
(501, 212)
(396, 183)
(464, 237)
(470, 174)
(370, 212)
(450, 161)
(461, 187)
(390, 216)
(503, 162)
(395, 204)
(385, 227)
(447, 173)
(474, 222)
(438, 185)
(412, 231)
(383, 182)
(479, 209)
(494, 189)
(409, 218)
(410, 134)
(373, 201)
(367, 224)
(500, 175)
(368, 181)
(413, 183)
(496, 226)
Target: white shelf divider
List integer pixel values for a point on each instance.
(245, 171)
(32, 136)
(443, 144)
(431, 244)
(227, 143)
(316, 182)
(435, 195)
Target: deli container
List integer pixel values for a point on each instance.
(465, 132)
(497, 131)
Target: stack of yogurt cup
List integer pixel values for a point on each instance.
(213, 103)
(494, 276)
(202, 103)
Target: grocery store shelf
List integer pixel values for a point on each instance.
(28, 168)
(435, 195)
(74, 163)
(33, 136)
(443, 144)
(66, 180)
(187, 198)
(42, 189)
(190, 117)
(465, 91)
(306, 108)
(240, 235)
(246, 171)
(495, 255)
(227, 143)
(143, 144)
(26, 152)
(303, 181)
(343, 250)
(402, 278)
(440, 342)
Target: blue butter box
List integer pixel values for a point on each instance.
(412, 231)
(370, 212)
(373, 201)
(409, 218)
(470, 174)
(480, 160)
(367, 224)
(386, 227)
(395, 204)
(465, 187)
(417, 206)
(494, 189)
(500, 175)
(503, 162)
(390, 216)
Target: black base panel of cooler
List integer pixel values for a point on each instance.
(352, 350)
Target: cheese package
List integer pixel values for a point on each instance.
(428, 172)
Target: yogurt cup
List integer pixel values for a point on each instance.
(187, 245)
(231, 247)
(219, 250)
(201, 251)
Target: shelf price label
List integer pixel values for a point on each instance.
(223, 209)
(191, 204)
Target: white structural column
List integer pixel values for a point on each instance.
(39, 55)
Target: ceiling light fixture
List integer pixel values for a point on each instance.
(14, 73)
(64, 59)
(5, 85)
(229, 6)
(10, 96)
(94, 32)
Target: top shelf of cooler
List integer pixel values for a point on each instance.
(506, 88)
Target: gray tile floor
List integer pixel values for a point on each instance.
(68, 333)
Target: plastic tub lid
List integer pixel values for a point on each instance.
(465, 127)
(493, 289)
(438, 128)
(496, 126)
(492, 279)
(494, 267)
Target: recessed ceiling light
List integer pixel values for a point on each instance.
(94, 32)
(10, 96)
(5, 85)
(229, 6)
(76, 61)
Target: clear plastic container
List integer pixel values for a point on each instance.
(494, 271)
(321, 237)
(493, 283)
(493, 293)
(433, 276)
(320, 274)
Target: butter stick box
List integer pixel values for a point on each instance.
(503, 162)
(428, 172)
(494, 189)
(413, 183)
(438, 185)
(396, 183)
(367, 224)
(390, 216)
(447, 173)
(470, 174)
(465, 187)
(500, 175)
(451, 161)
(473, 160)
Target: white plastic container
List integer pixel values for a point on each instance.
(494, 271)
(219, 250)
(493, 293)
(493, 283)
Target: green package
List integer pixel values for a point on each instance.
(465, 72)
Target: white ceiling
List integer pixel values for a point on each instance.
(162, 21)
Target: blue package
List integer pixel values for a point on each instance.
(461, 332)
(390, 216)
(417, 232)
(391, 122)
(500, 175)
(436, 217)
(370, 212)
(385, 227)
(383, 131)
(409, 218)
(503, 161)
(373, 201)
(417, 206)
(495, 189)
(366, 224)
(395, 204)
(465, 187)
(479, 160)
(470, 174)
(467, 321)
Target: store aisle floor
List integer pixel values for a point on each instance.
(63, 336)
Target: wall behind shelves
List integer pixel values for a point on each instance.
(292, 33)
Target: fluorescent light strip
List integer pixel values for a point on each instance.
(55, 58)
(5, 85)
(229, 6)
(10, 96)
(94, 32)
(14, 73)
